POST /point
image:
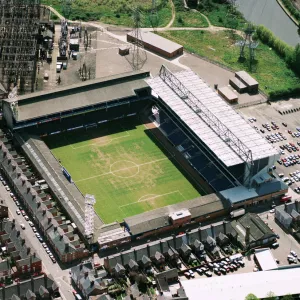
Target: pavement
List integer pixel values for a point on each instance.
(61, 276)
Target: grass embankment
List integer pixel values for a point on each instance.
(222, 14)
(270, 70)
(117, 12)
(187, 18)
(123, 166)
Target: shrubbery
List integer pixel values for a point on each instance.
(294, 11)
(288, 53)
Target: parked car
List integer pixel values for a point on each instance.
(187, 274)
(294, 253)
(192, 274)
(217, 271)
(22, 226)
(18, 212)
(208, 273)
(199, 271)
(223, 271)
(275, 245)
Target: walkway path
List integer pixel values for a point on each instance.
(173, 15)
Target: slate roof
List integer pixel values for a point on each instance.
(34, 285)
(87, 279)
(258, 229)
(158, 218)
(33, 200)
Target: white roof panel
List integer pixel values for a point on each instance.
(214, 103)
(236, 287)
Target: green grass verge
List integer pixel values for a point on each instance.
(189, 19)
(270, 71)
(116, 12)
(123, 166)
(222, 15)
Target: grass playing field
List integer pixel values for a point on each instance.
(124, 166)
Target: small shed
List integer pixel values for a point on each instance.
(227, 94)
(250, 82)
(123, 50)
(157, 44)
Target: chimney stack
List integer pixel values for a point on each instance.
(247, 236)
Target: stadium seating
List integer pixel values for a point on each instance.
(177, 137)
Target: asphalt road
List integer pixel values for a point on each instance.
(61, 277)
(270, 14)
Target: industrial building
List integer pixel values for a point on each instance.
(282, 281)
(157, 44)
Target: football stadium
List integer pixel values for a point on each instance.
(156, 152)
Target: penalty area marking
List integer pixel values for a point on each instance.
(152, 197)
(102, 143)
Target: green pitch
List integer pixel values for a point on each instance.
(124, 166)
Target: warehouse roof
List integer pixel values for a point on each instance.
(206, 101)
(282, 281)
(158, 218)
(79, 95)
(158, 41)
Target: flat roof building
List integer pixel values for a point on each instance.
(281, 282)
(157, 44)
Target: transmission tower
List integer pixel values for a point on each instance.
(248, 41)
(19, 24)
(153, 16)
(139, 55)
(89, 214)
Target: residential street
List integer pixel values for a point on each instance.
(61, 277)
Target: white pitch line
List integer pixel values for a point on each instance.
(123, 169)
(151, 198)
(101, 143)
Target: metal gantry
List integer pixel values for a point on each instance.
(89, 214)
(210, 119)
(19, 24)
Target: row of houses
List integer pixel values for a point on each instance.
(247, 232)
(58, 231)
(20, 259)
(38, 288)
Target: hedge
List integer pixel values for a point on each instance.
(292, 9)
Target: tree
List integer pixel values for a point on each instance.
(271, 296)
(251, 297)
(288, 297)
